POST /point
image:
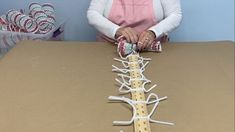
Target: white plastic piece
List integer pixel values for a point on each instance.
(135, 117)
(126, 83)
(134, 53)
(116, 69)
(125, 87)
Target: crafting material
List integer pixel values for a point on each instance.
(133, 81)
(126, 48)
(39, 20)
(43, 15)
(21, 21)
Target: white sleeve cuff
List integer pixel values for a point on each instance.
(115, 28)
(158, 33)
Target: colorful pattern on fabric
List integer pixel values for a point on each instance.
(39, 20)
(126, 48)
(34, 24)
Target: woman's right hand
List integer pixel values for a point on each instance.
(129, 33)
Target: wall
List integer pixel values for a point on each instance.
(204, 20)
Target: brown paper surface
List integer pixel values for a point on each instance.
(63, 87)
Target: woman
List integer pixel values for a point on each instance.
(139, 21)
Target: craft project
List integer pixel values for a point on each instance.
(133, 81)
(39, 20)
(125, 48)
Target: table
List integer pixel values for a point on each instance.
(64, 86)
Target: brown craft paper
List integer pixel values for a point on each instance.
(64, 87)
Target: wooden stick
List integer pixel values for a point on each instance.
(140, 125)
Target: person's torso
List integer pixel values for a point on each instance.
(137, 14)
(157, 8)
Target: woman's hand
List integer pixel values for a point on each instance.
(146, 38)
(129, 33)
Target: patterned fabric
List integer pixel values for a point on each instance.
(125, 48)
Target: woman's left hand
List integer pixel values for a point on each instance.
(146, 38)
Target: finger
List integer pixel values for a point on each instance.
(139, 46)
(150, 36)
(141, 41)
(151, 39)
(134, 35)
(149, 43)
(146, 40)
(126, 36)
(141, 37)
(131, 35)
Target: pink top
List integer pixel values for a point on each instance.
(159, 16)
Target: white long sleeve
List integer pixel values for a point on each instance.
(95, 15)
(167, 12)
(172, 16)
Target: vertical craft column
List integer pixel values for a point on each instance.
(140, 124)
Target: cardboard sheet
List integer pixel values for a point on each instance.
(63, 87)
